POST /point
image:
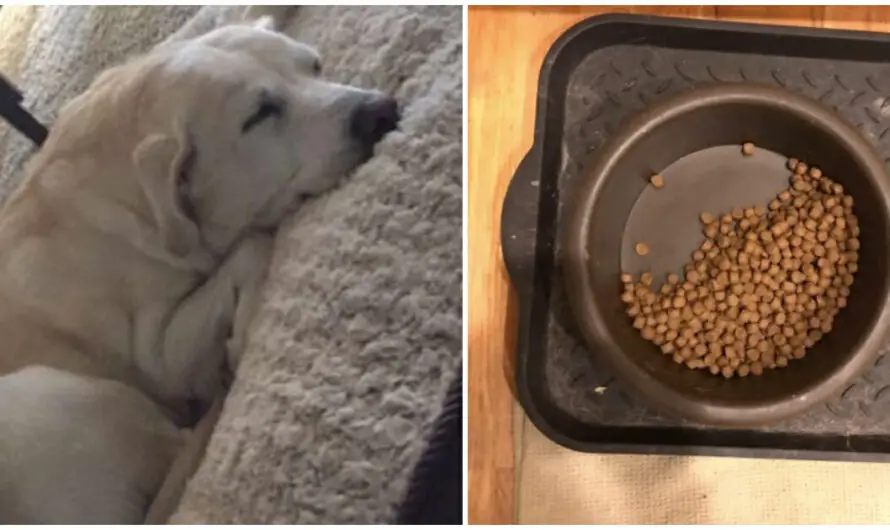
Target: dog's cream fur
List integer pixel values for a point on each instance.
(132, 256)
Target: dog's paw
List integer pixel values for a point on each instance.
(248, 303)
(227, 371)
(250, 262)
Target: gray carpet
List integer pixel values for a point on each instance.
(360, 330)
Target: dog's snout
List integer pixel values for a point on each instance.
(373, 119)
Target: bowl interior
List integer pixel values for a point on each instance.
(698, 153)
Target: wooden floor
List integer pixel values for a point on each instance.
(505, 47)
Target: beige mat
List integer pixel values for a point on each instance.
(558, 486)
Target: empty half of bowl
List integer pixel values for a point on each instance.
(693, 140)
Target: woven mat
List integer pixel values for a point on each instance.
(559, 486)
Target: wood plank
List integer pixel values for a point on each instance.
(869, 18)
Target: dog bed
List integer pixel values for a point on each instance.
(359, 334)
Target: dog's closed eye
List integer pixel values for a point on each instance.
(269, 107)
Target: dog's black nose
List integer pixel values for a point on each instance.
(373, 119)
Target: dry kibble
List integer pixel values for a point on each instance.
(657, 181)
(764, 287)
(747, 148)
(756, 368)
(641, 249)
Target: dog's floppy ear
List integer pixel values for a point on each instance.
(272, 18)
(162, 162)
(265, 22)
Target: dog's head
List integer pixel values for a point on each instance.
(235, 127)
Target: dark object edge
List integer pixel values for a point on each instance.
(435, 491)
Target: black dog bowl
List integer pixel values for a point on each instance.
(694, 141)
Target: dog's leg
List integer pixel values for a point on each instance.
(194, 344)
(248, 304)
(184, 467)
(79, 450)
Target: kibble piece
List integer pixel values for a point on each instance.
(765, 285)
(756, 368)
(747, 148)
(657, 181)
(641, 249)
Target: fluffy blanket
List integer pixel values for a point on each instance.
(360, 330)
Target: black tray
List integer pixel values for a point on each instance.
(598, 73)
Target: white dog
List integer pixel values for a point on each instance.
(132, 255)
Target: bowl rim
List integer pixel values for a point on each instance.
(591, 320)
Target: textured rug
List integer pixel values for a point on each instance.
(360, 330)
(558, 486)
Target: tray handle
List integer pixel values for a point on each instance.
(519, 220)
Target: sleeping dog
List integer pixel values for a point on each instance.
(133, 254)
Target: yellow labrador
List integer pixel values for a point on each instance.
(132, 255)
